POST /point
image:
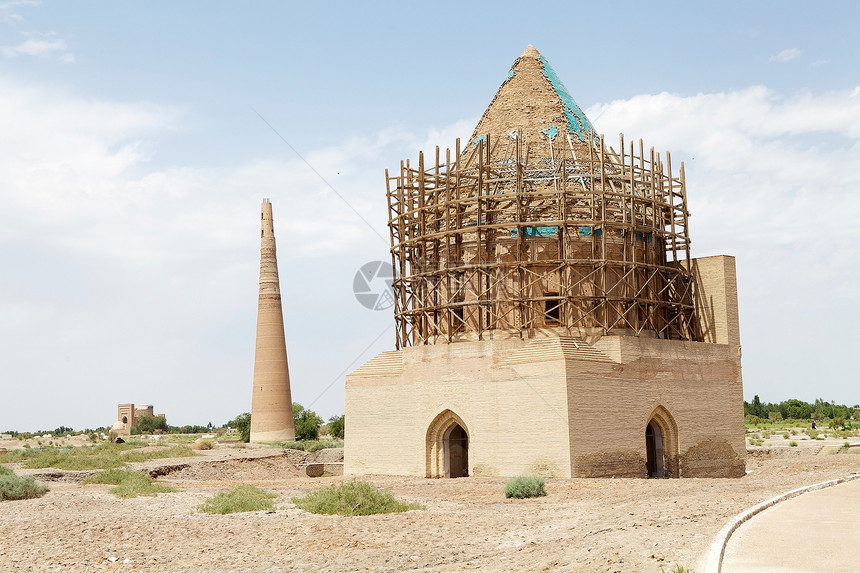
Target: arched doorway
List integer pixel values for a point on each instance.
(661, 445)
(655, 462)
(455, 446)
(447, 446)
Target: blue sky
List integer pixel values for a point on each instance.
(133, 163)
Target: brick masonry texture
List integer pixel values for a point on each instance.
(559, 406)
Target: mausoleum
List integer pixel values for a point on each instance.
(549, 317)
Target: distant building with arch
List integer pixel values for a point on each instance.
(549, 318)
(127, 416)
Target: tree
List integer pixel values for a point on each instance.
(149, 424)
(755, 408)
(242, 422)
(821, 410)
(796, 409)
(307, 423)
(336, 426)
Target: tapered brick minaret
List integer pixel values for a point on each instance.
(271, 403)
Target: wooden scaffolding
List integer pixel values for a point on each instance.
(488, 243)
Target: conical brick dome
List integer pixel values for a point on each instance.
(536, 228)
(533, 104)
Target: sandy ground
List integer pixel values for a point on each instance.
(582, 525)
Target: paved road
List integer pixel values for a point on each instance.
(816, 531)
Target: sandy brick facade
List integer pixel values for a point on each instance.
(717, 299)
(557, 406)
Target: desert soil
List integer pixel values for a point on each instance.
(582, 525)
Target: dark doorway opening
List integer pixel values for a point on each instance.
(552, 309)
(456, 448)
(654, 451)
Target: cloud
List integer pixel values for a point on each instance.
(772, 179)
(139, 277)
(80, 169)
(8, 13)
(42, 47)
(772, 164)
(786, 55)
(35, 44)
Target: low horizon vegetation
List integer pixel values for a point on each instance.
(97, 457)
(794, 413)
(308, 424)
(756, 435)
(309, 445)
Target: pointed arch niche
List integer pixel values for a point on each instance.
(661, 444)
(447, 446)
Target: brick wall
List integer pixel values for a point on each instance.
(550, 406)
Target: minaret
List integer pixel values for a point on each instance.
(271, 403)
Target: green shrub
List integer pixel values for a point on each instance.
(100, 457)
(149, 424)
(307, 423)
(792, 443)
(238, 499)
(677, 569)
(129, 483)
(322, 445)
(310, 445)
(179, 439)
(242, 422)
(14, 487)
(64, 459)
(522, 487)
(336, 426)
(352, 498)
(160, 453)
